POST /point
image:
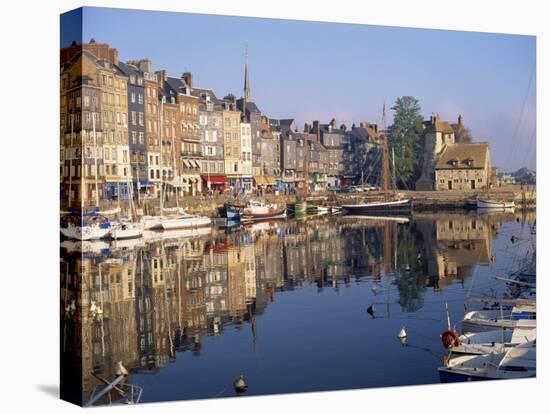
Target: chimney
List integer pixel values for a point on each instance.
(318, 132)
(161, 76)
(145, 65)
(333, 123)
(460, 120)
(188, 78)
(361, 125)
(307, 128)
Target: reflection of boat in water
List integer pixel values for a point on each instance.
(516, 362)
(494, 204)
(151, 236)
(86, 246)
(127, 243)
(396, 219)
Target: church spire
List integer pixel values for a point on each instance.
(246, 81)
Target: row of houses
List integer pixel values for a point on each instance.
(126, 128)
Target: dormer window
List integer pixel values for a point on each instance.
(469, 162)
(453, 162)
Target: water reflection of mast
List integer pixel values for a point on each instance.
(308, 270)
(387, 257)
(166, 310)
(102, 307)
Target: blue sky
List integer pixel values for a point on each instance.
(316, 70)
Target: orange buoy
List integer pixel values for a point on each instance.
(450, 338)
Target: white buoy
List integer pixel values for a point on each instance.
(121, 369)
(402, 333)
(239, 384)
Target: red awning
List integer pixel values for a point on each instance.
(215, 179)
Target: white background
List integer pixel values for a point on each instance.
(29, 333)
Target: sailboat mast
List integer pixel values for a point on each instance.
(394, 179)
(95, 161)
(174, 169)
(306, 162)
(385, 161)
(161, 156)
(71, 161)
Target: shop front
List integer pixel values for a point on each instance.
(214, 182)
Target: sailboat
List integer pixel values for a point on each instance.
(126, 228)
(392, 204)
(82, 225)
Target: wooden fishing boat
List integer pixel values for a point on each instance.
(494, 204)
(260, 211)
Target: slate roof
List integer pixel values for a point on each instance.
(465, 156)
(175, 84)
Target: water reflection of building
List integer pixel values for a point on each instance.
(454, 244)
(163, 297)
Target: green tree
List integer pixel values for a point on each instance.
(405, 138)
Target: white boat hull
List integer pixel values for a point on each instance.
(127, 231)
(495, 205)
(93, 232)
(184, 222)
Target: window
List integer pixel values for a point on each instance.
(140, 99)
(133, 97)
(133, 115)
(134, 134)
(141, 138)
(141, 118)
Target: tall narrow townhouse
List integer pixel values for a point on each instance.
(136, 127)
(189, 149)
(168, 137)
(211, 138)
(116, 149)
(232, 142)
(81, 132)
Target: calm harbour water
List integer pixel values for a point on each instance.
(284, 303)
